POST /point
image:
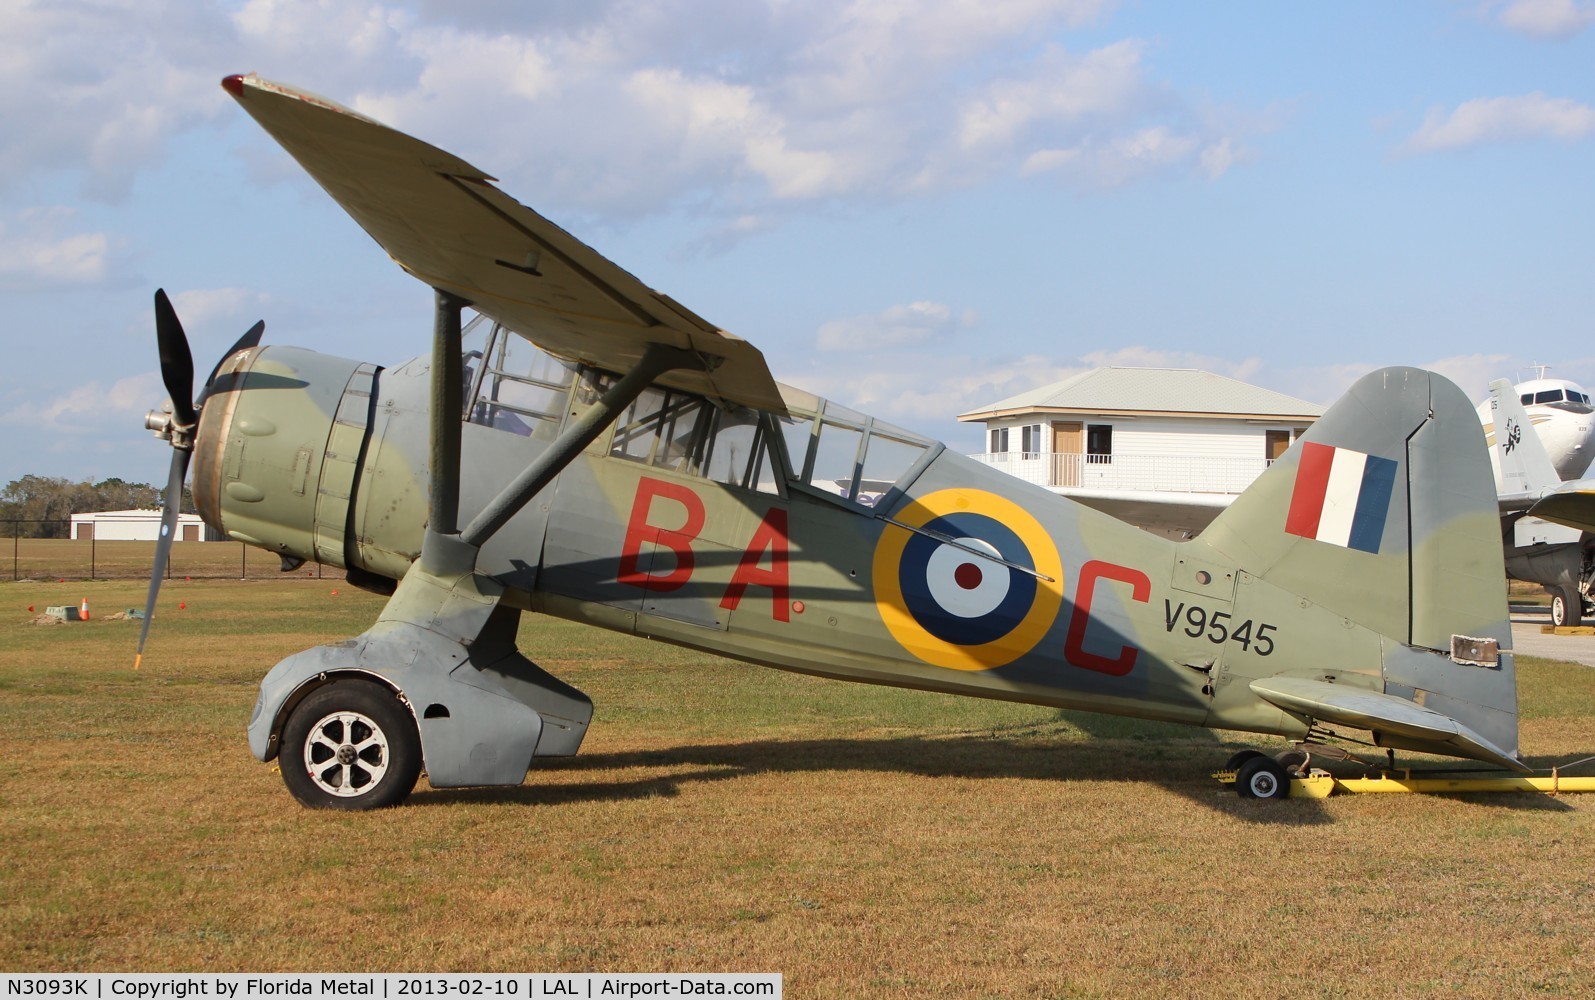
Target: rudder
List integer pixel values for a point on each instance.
(1385, 513)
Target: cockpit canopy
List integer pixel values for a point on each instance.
(1558, 393)
(817, 447)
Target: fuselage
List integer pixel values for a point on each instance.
(764, 537)
(1563, 418)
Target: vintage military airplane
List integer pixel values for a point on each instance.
(1546, 523)
(604, 455)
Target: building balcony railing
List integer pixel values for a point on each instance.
(1146, 473)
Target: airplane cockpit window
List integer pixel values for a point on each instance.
(513, 385)
(844, 453)
(1568, 399)
(674, 430)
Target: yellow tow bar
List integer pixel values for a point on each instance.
(1320, 784)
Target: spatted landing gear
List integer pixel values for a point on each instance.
(350, 745)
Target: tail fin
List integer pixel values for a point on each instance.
(1526, 466)
(1385, 513)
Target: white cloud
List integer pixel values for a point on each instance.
(92, 408)
(620, 108)
(37, 251)
(1153, 357)
(913, 325)
(1059, 88)
(218, 309)
(926, 390)
(738, 108)
(1545, 18)
(94, 90)
(1487, 120)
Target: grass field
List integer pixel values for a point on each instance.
(863, 841)
(73, 559)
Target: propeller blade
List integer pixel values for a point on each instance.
(163, 545)
(250, 338)
(177, 361)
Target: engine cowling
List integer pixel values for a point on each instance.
(279, 448)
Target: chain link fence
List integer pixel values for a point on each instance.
(63, 558)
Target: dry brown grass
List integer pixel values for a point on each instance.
(862, 841)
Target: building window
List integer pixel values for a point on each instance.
(1098, 444)
(1030, 440)
(999, 440)
(1274, 445)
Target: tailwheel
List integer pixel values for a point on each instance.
(350, 745)
(1262, 777)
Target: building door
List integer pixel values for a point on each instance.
(1068, 445)
(190, 532)
(1275, 444)
(85, 531)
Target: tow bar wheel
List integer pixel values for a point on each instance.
(350, 745)
(1262, 777)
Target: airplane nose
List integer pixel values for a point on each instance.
(260, 454)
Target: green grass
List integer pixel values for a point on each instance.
(864, 841)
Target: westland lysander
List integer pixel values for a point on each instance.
(588, 448)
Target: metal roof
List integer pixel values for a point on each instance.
(1151, 390)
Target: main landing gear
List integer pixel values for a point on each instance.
(1567, 607)
(350, 745)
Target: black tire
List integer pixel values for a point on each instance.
(1262, 778)
(350, 745)
(1294, 761)
(1567, 607)
(1239, 758)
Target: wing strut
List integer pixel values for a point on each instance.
(445, 548)
(656, 360)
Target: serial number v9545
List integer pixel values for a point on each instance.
(1218, 627)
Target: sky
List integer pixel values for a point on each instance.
(914, 208)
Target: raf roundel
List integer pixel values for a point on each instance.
(949, 592)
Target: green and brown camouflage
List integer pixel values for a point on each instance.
(1357, 585)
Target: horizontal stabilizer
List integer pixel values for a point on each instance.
(1572, 504)
(1415, 727)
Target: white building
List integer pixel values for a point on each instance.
(134, 526)
(1127, 431)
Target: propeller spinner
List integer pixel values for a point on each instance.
(176, 423)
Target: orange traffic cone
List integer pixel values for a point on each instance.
(83, 610)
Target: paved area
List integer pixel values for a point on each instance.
(1528, 640)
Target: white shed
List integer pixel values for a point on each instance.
(134, 526)
(1142, 430)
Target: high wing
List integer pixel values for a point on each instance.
(444, 222)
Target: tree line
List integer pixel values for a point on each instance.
(41, 506)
